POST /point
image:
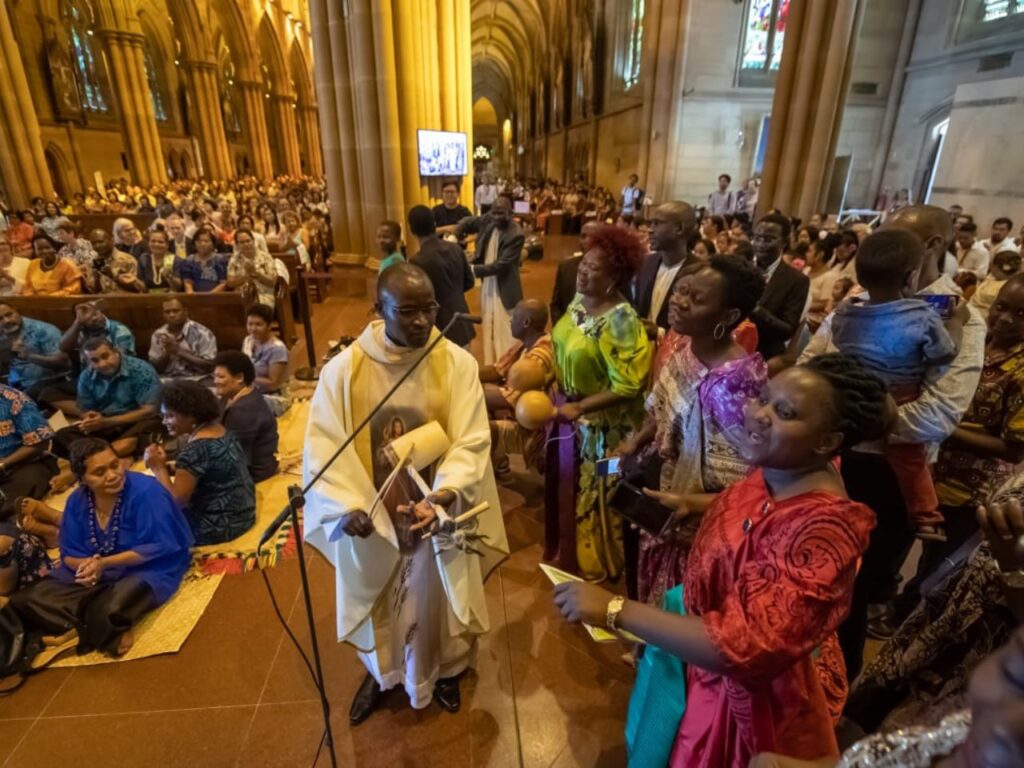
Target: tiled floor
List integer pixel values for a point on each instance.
(542, 694)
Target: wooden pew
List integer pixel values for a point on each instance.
(222, 313)
(87, 222)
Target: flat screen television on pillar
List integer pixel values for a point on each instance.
(442, 153)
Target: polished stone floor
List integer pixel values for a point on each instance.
(542, 693)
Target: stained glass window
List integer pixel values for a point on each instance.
(993, 10)
(78, 19)
(635, 44)
(763, 35)
(155, 93)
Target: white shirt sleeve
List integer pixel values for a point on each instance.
(947, 393)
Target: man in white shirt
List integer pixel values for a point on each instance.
(722, 202)
(1000, 239)
(971, 256)
(928, 420)
(672, 226)
(485, 195)
(631, 197)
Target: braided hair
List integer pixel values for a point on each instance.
(859, 402)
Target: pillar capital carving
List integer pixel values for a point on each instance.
(195, 65)
(121, 37)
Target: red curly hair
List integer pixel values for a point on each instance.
(624, 251)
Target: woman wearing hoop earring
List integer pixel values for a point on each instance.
(602, 359)
(695, 409)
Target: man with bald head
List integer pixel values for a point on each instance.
(672, 226)
(412, 607)
(928, 420)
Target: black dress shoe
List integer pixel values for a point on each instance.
(446, 691)
(365, 702)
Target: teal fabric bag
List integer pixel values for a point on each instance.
(658, 700)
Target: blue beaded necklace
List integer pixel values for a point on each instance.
(104, 542)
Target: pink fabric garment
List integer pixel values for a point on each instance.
(695, 409)
(772, 582)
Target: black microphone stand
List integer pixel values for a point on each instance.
(297, 500)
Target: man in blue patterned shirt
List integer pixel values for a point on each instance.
(36, 357)
(25, 465)
(182, 348)
(117, 400)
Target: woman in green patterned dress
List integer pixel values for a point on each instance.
(602, 358)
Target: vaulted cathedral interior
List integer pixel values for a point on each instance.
(512, 383)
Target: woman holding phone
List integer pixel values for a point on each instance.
(696, 407)
(769, 578)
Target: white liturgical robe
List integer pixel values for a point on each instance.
(411, 608)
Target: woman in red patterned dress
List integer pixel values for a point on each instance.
(769, 578)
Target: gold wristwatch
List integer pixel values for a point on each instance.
(615, 606)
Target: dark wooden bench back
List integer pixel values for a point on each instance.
(222, 313)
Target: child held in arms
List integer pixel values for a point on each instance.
(900, 340)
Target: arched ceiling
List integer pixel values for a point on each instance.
(509, 42)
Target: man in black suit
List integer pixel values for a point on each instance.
(565, 278)
(782, 305)
(449, 213)
(446, 265)
(672, 225)
(499, 247)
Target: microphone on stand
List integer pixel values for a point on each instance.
(466, 318)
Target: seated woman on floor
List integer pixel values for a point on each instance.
(124, 549)
(246, 414)
(269, 356)
(211, 481)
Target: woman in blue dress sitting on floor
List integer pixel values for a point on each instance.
(124, 549)
(211, 481)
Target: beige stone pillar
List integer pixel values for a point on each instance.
(661, 70)
(411, 97)
(254, 126)
(387, 103)
(202, 81)
(380, 77)
(130, 91)
(284, 110)
(807, 110)
(309, 138)
(346, 193)
(23, 168)
(464, 90)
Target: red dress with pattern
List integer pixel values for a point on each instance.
(772, 582)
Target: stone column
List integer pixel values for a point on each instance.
(662, 62)
(309, 133)
(807, 110)
(464, 90)
(22, 164)
(202, 79)
(135, 104)
(254, 126)
(282, 106)
(380, 77)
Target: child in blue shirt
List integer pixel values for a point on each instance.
(901, 340)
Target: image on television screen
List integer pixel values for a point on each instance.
(442, 153)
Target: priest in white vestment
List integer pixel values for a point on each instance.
(411, 606)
